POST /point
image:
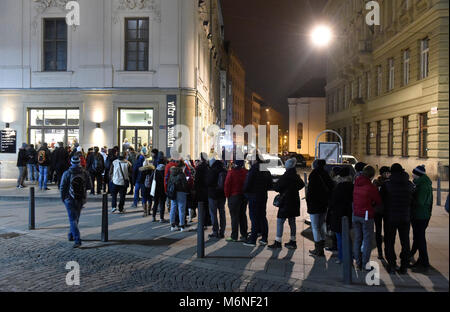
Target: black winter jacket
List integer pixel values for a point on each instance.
(22, 158)
(200, 182)
(258, 182)
(31, 156)
(320, 187)
(340, 204)
(60, 159)
(397, 196)
(212, 180)
(289, 186)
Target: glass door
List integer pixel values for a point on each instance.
(136, 138)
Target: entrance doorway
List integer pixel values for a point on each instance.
(136, 138)
(136, 125)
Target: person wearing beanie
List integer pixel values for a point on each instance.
(289, 186)
(74, 184)
(22, 165)
(237, 203)
(420, 216)
(397, 196)
(318, 194)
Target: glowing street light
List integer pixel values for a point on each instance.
(321, 36)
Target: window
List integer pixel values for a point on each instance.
(391, 138)
(378, 139)
(391, 74)
(335, 102)
(406, 59)
(379, 80)
(345, 96)
(359, 87)
(352, 91)
(53, 126)
(423, 131)
(424, 54)
(368, 138)
(344, 138)
(368, 85)
(405, 126)
(55, 44)
(136, 44)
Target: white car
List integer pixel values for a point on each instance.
(349, 159)
(274, 164)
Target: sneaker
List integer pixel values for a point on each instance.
(163, 221)
(133, 206)
(213, 235)
(291, 245)
(77, 245)
(243, 238)
(182, 229)
(262, 242)
(114, 210)
(275, 245)
(173, 229)
(46, 189)
(230, 239)
(249, 243)
(153, 219)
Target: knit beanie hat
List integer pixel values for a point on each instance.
(419, 170)
(360, 166)
(396, 168)
(75, 160)
(290, 163)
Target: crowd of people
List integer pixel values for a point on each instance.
(386, 205)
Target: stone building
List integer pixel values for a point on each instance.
(387, 85)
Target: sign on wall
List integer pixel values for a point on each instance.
(8, 141)
(171, 121)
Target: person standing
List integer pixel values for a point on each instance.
(159, 198)
(318, 194)
(365, 198)
(216, 197)
(31, 164)
(112, 155)
(125, 145)
(289, 186)
(22, 165)
(385, 173)
(420, 217)
(139, 187)
(341, 204)
(257, 183)
(201, 187)
(397, 195)
(96, 167)
(61, 162)
(177, 192)
(74, 183)
(132, 158)
(119, 175)
(145, 180)
(237, 203)
(43, 160)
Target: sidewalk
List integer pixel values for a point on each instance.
(131, 235)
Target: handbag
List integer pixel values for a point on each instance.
(126, 182)
(153, 188)
(278, 200)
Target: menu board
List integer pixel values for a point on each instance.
(8, 141)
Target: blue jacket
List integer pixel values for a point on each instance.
(65, 182)
(136, 172)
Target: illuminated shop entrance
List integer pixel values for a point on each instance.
(136, 125)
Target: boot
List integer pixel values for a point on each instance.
(318, 249)
(145, 210)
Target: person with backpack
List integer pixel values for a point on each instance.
(420, 216)
(31, 164)
(96, 167)
(159, 196)
(119, 175)
(74, 184)
(237, 203)
(177, 190)
(43, 160)
(289, 186)
(22, 165)
(257, 183)
(216, 197)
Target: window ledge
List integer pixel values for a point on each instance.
(152, 71)
(54, 72)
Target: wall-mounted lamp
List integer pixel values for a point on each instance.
(98, 125)
(7, 125)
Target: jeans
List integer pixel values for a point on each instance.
(32, 172)
(138, 189)
(161, 202)
(280, 226)
(319, 227)
(214, 205)
(363, 233)
(257, 205)
(73, 210)
(419, 240)
(118, 189)
(22, 175)
(238, 205)
(378, 232)
(389, 242)
(339, 245)
(43, 177)
(178, 206)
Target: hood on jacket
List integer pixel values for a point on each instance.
(362, 181)
(161, 167)
(145, 168)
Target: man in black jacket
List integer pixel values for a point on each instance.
(201, 187)
(216, 197)
(397, 195)
(21, 164)
(258, 182)
(31, 163)
(61, 161)
(44, 161)
(96, 166)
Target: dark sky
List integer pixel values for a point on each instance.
(270, 37)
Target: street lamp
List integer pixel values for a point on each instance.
(321, 35)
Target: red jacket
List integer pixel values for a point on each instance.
(167, 173)
(234, 183)
(365, 197)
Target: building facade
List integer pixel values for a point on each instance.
(387, 85)
(132, 69)
(273, 118)
(253, 103)
(236, 71)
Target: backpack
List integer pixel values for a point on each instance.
(77, 185)
(171, 190)
(148, 180)
(42, 157)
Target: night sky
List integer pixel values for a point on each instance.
(271, 39)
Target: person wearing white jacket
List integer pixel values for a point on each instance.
(119, 174)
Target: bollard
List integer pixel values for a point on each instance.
(438, 193)
(31, 206)
(105, 218)
(347, 252)
(201, 230)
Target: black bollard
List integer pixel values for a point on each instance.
(347, 252)
(105, 218)
(438, 192)
(31, 206)
(201, 230)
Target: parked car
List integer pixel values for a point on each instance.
(349, 159)
(275, 165)
(301, 161)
